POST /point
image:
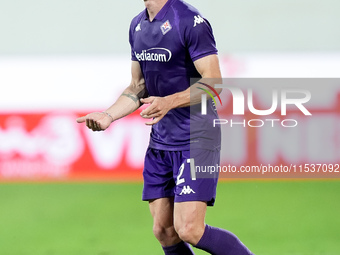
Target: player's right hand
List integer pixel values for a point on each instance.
(96, 121)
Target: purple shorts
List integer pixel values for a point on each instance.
(174, 174)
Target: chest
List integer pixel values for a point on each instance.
(158, 41)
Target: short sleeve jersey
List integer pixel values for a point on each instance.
(166, 49)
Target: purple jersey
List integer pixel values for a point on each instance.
(166, 49)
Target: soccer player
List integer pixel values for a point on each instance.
(170, 43)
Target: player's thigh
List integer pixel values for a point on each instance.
(162, 210)
(189, 220)
(192, 212)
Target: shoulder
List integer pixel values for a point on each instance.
(185, 8)
(187, 13)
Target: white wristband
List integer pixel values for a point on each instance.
(108, 114)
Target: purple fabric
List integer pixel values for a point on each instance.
(181, 248)
(221, 242)
(166, 49)
(168, 174)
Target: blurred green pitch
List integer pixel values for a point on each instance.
(278, 218)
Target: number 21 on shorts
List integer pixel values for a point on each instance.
(191, 163)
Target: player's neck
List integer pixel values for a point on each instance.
(153, 7)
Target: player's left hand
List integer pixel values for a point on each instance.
(159, 106)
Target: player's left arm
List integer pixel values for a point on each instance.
(209, 69)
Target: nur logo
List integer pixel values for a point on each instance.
(204, 97)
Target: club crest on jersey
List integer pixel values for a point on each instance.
(166, 27)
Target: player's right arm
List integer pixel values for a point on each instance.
(128, 102)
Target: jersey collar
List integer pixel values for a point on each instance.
(161, 14)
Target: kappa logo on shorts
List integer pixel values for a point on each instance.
(198, 20)
(187, 190)
(166, 27)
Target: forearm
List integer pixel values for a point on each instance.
(193, 95)
(209, 69)
(128, 102)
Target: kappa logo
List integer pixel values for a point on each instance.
(138, 28)
(198, 20)
(187, 190)
(166, 27)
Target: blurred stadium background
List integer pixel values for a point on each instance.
(65, 190)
